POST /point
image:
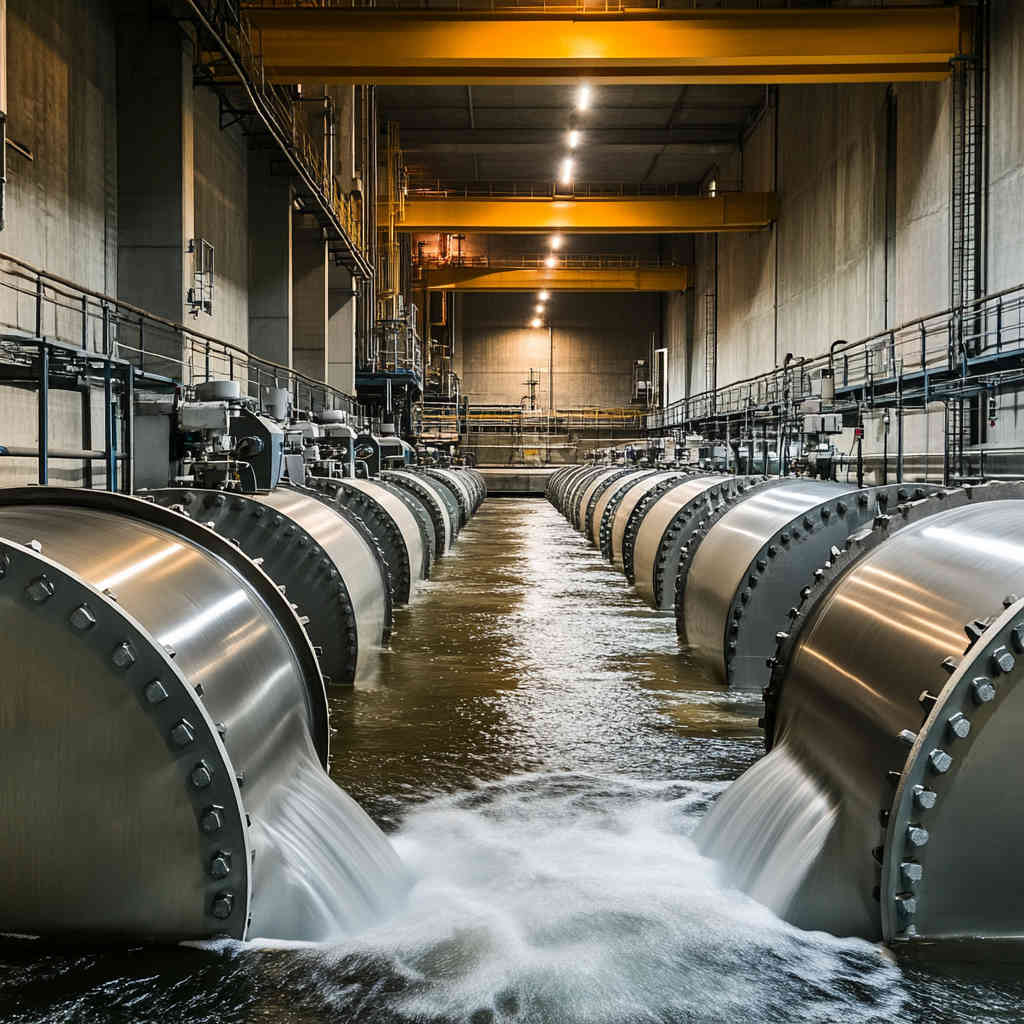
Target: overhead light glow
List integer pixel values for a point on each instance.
(574, 138)
(555, 242)
(539, 307)
(565, 175)
(544, 296)
(583, 97)
(550, 262)
(535, 322)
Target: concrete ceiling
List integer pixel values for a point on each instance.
(637, 136)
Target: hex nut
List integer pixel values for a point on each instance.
(212, 820)
(155, 692)
(222, 905)
(40, 589)
(123, 656)
(201, 775)
(82, 619)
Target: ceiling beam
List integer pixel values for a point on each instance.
(703, 142)
(652, 215)
(618, 279)
(779, 46)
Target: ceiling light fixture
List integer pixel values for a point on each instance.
(551, 262)
(574, 138)
(544, 296)
(565, 176)
(535, 322)
(539, 308)
(555, 242)
(583, 97)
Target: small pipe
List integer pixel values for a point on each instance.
(15, 451)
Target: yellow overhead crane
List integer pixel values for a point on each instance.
(638, 46)
(559, 279)
(637, 215)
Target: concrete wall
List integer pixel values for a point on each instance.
(222, 217)
(596, 339)
(61, 88)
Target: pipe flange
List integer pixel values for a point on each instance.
(728, 498)
(608, 516)
(842, 560)
(990, 670)
(150, 512)
(331, 611)
(707, 499)
(422, 517)
(460, 498)
(601, 489)
(636, 518)
(430, 502)
(380, 522)
(855, 505)
(137, 662)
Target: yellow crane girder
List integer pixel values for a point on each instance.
(639, 215)
(403, 47)
(558, 279)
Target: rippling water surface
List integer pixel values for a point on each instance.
(540, 752)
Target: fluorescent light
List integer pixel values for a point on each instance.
(551, 261)
(535, 322)
(544, 296)
(583, 97)
(574, 138)
(565, 175)
(555, 242)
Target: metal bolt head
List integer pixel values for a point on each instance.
(123, 655)
(220, 864)
(1017, 638)
(911, 872)
(906, 905)
(221, 906)
(958, 725)
(182, 734)
(201, 775)
(940, 761)
(1002, 660)
(982, 690)
(40, 589)
(917, 835)
(924, 798)
(155, 692)
(212, 820)
(35, 546)
(82, 619)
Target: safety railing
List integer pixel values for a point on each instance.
(38, 304)
(515, 419)
(530, 6)
(284, 120)
(932, 358)
(420, 188)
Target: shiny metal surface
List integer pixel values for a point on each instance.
(428, 493)
(724, 567)
(869, 648)
(585, 494)
(458, 487)
(608, 505)
(328, 568)
(629, 502)
(396, 528)
(105, 783)
(564, 485)
(573, 486)
(421, 514)
(446, 492)
(689, 494)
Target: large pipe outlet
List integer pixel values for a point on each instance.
(607, 506)
(598, 500)
(315, 551)
(427, 491)
(747, 573)
(894, 714)
(458, 486)
(396, 529)
(634, 497)
(164, 731)
(669, 524)
(589, 496)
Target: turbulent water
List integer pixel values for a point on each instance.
(541, 755)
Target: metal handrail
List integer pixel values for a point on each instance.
(594, 261)
(51, 306)
(943, 343)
